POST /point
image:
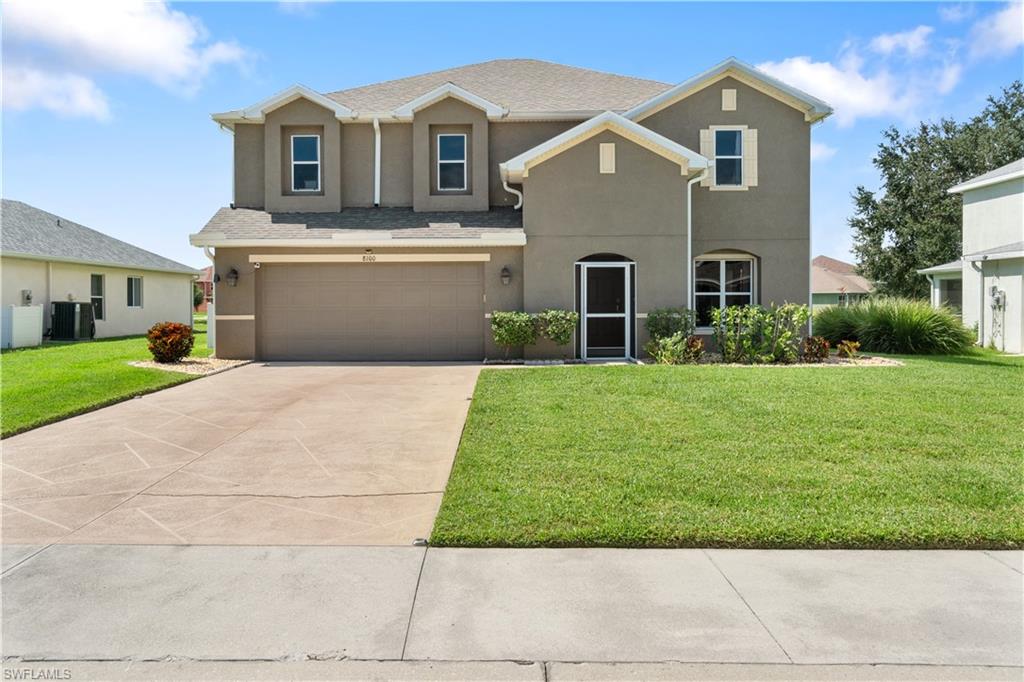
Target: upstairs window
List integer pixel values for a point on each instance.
(451, 162)
(305, 163)
(96, 295)
(729, 157)
(134, 292)
(720, 283)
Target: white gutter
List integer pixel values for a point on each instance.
(508, 188)
(103, 264)
(689, 235)
(376, 162)
(211, 310)
(931, 290)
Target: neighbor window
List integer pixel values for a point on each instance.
(134, 292)
(96, 295)
(720, 283)
(451, 162)
(729, 157)
(305, 163)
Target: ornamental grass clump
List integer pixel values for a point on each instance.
(895, 325)
(170, 341)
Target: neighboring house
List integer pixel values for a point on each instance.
(205, 284)
(46, 258)
(987, 283)
(388, 221)
(834, 282)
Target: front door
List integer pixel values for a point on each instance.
(606, 310)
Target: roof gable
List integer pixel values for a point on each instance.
(813, 108)
(257, 112)
(1011, 171)
(518, 167)
(407, 110)
(30, 232)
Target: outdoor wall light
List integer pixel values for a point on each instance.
(232, 277)
(506, 275)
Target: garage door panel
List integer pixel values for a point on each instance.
(378, 311)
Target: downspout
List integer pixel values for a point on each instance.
(510, 190)
(689, 236)
(931, 291)
(981, 303)
(211, 320)
(376, 161)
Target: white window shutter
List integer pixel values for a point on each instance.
(707, 150)
(750, 157)
(607, 160)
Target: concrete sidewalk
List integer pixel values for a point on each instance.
(676, 614)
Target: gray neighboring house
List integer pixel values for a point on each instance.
(387, 222)
(987, 282)
(45, 258)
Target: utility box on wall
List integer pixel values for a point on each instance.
(21, 326)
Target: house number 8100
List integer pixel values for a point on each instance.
(369, 259)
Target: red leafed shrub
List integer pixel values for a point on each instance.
(170, 341)
(815, 349)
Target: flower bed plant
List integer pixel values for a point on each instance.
(756, 334)
(170, 341)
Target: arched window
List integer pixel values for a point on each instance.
(722, 279)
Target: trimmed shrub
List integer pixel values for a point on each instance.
(895, 325)
(675, 350)
(513, 329)
(847, 349)
(815, 349)
(558, 325)
(754, 334)
(662, 323)
(170, 341)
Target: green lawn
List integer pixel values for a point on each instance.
(58, 380)
(926, 455)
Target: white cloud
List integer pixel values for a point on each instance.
(146, 39)
(954, 14)
(852, 93)
(998, 34)
(821, 151)
(948, 77)
(65, 94)
(297, 7)
(913, 43)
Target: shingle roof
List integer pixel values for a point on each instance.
(1001, 174)
(830, 282)
(29, 231)
(395, 223)
(520, 85)
(834, 265)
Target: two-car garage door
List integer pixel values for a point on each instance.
(371, 311)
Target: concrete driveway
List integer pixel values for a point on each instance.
(281, 454)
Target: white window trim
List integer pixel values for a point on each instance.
(319, 179)
(714, 174)
(464, 162)
(102, 296)
(139, 303)
(722, 258)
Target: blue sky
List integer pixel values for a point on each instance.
(106, 107)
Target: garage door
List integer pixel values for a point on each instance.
(371, 311)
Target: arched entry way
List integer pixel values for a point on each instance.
(606, 302)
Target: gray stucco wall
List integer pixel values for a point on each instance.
(249, 165)
(357, 164)
(509, 139)
(771, 220)
(301, 114)
(449, 112)
(396, 164)
(572, 211)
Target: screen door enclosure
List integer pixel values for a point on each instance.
(605, 310)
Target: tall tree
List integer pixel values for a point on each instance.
(912, 223)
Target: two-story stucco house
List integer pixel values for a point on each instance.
(388, 221)
(987, 283)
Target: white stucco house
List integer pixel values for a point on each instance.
(46, 258)
(987, 283)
